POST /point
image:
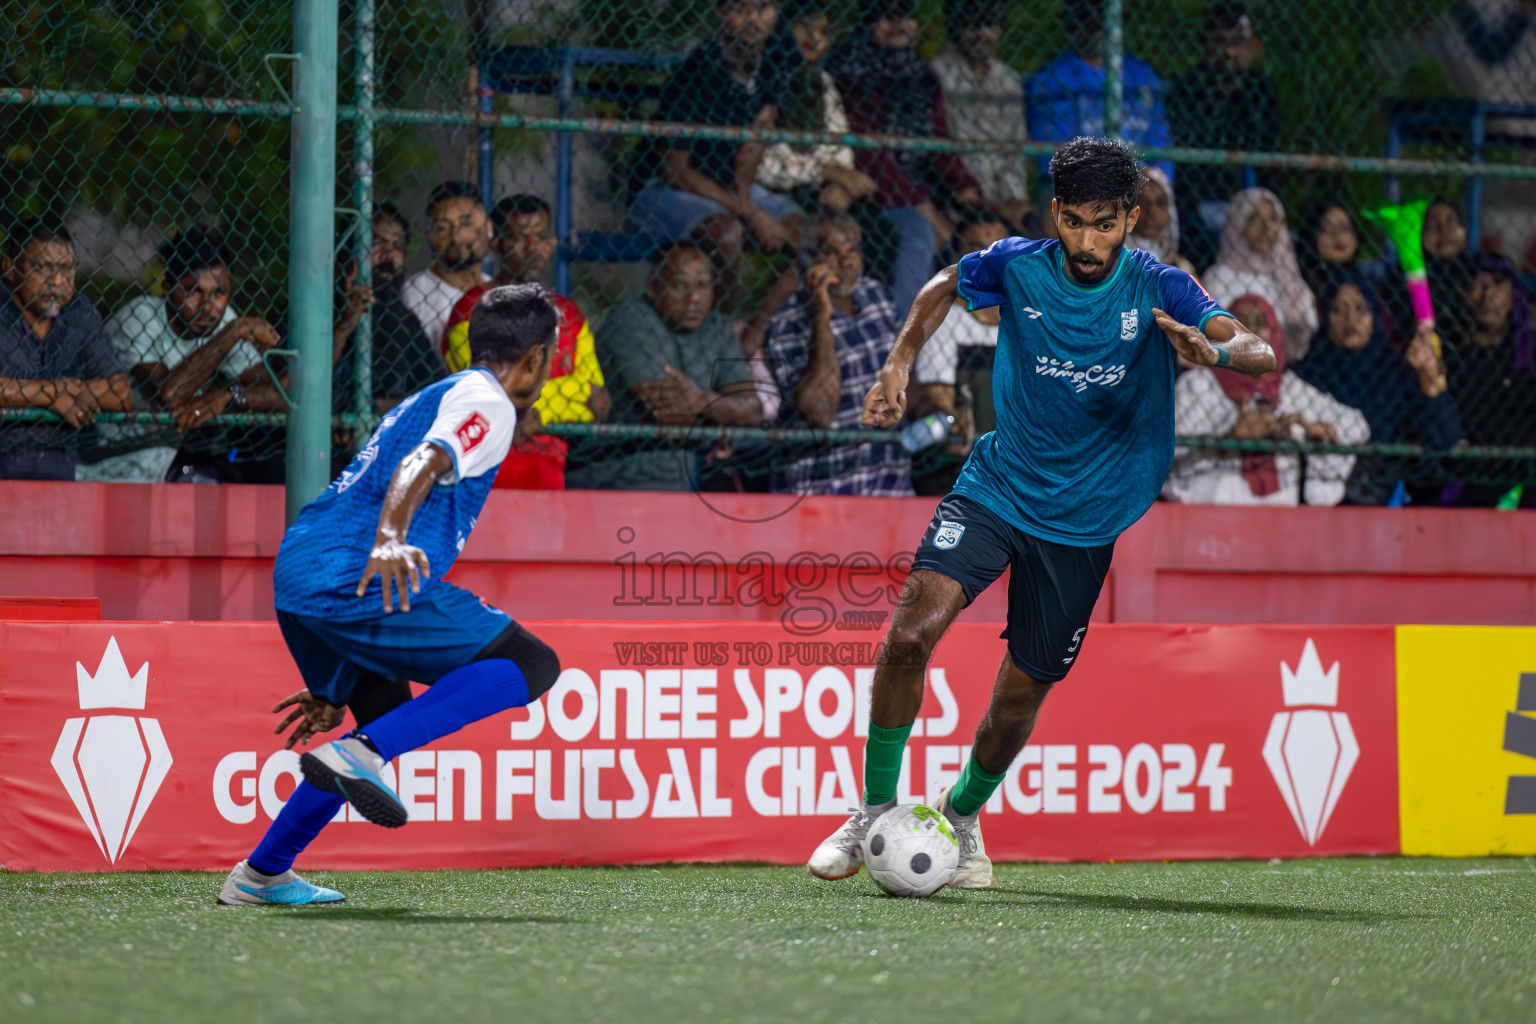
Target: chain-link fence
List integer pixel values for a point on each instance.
(681, 170)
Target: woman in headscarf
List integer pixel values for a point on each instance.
(1277, 406)
(1258, 256)
(1327, 239)
(1157, 230)
(1401, 396)
(1491, 368)
(1489, 364)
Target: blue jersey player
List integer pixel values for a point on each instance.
(1083, 388)
(383, 534)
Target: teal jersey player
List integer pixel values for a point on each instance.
(1088, 343)
(1082, 385)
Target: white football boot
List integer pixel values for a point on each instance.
(975, 869)
(841, 854)
(247, 887)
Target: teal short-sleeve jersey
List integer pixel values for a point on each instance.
(1083, 388)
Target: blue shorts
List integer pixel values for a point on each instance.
(1052, 588)
(444, 630)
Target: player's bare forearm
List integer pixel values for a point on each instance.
(887, 400)
(409, 487)
(928, 311)
(1224, 343)
(392, 559)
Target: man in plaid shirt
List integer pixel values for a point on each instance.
(826, 347)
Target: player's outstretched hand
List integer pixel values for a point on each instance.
(312, 714)
(398, 565)
(1189, 342)
(886, 402)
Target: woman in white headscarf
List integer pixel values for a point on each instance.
(1157, 230)
(1257, 256)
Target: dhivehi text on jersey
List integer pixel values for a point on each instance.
(1105, 376)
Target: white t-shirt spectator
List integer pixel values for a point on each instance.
(141, 332)
(1209, 477)
(432, 300)
(940, 357)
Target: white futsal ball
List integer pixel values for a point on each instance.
(911, 851)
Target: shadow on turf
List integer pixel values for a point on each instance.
(405, 915)
(1156, 905)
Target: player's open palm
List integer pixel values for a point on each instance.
(886, 402)
(398, 565)
(1189, 342)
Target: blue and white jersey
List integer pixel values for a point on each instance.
(1083, 388)
(467, 415)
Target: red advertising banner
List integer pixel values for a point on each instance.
(130, 746)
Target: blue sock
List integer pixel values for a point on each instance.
(294, 828)
(475, 691)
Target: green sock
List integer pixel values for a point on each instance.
(882, 762)
(975, 787)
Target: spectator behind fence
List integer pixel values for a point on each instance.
(1065, 98)
(826, 347)
(1223, 102)
(984, 99)
(1401, 397)
(1327, 240)
(1489, 365)
(704, 189)
(190, 354)
(403, 361)
(1278, 406)
(1448, 266)
(953, 373)
(889, 89)
(574, 392)
(459, 234)
(812, 176)
(669, 359)
(1157, 229)
(54, 354)
(1258, 256)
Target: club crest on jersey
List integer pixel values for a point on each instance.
(472, 431)
(1129, 325)
(949, 534)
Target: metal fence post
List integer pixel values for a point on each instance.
(362, 199)
(312, 238)
(1114, 67)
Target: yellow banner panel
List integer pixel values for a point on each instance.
(1466, 728)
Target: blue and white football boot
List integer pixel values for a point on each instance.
(247, 887)
(352, 770)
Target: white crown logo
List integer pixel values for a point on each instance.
(112, 765)
(1311, 752)
(1309, 684)
(112, 686)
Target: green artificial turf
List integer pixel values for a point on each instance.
(1342, 940)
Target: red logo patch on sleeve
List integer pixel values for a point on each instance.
(472, 431)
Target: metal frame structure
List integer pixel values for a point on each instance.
(316, 115)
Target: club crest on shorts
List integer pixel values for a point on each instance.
(1129, 321)
(949, 534)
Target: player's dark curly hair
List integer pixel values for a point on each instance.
(1093, 170)
(510, 320)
